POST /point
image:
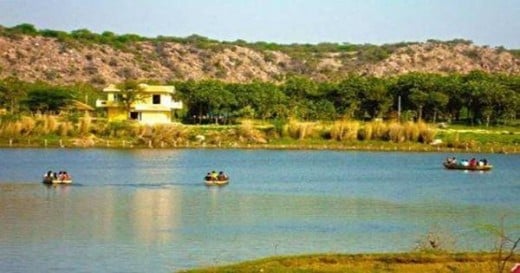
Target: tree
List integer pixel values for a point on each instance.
(12, 90)
(437, 101)
(47, 100)
(346, 99)
(208, 99)
(419, 99)
(130, 92)
(375, 99)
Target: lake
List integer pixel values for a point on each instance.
(148, 210)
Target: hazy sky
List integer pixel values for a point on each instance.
(485, 22)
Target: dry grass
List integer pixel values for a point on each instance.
(411, 131)
(344, 130)
(85, 124)
(248, 133)
(301, 130)
(426, 133)
(396, 132)
(417, 262)
(379, 130)
(65, 129)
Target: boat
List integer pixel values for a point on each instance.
(216, 179)
(216, 182)
(50, 180)
(455, 166)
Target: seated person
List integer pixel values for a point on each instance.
(221, 176)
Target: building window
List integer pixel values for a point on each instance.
(156, 99)
(135, 116)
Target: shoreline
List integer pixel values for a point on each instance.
(323, 145)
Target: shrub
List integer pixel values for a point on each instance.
(411, 131)
(344, 130)
(379, 130)
(84, 124)
(426, 134)
(396, 132)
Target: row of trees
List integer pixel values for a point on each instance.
(17, 96)
(476, 98)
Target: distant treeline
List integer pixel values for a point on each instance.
(474, 98)
(364, 52)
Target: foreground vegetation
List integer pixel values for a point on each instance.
(363, 263)
(85, 132)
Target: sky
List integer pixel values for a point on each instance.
(485, 22)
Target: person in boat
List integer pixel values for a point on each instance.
(214, 176)
(464, 162)
(64, 176)
(451, 160)
(207, 177)
(473, 162)
(483, 162)
(48, 174)
(222, 176)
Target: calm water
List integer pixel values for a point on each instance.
(148, 210)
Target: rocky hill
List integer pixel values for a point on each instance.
(36, 57)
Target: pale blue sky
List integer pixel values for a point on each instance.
(485, 22)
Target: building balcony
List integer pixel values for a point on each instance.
(107, 103)
(142, 106)
(158, 107)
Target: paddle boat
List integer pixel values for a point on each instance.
(216, 182)
(61, 178)
(51, 180)
(214, 179)
(455, 166)
(472, 165)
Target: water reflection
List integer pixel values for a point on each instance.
(154, 213)
(39, 212)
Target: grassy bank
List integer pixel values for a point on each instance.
(401, 262)
(47, 131)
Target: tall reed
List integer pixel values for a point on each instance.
(396, 132)
(85, 124)
(50, 124)
(379, 130)
(65, 128)
(426, 133)
(300, 130)
(12, 129)
(365, 132)
(344, 130)
(27, 125)
(411, 131)
(248, 133)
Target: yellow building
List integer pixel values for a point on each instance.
(152, 104)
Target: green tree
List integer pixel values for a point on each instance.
(129, 92)
(12, 90)
(437, 101)
(208, 99)
(418, 98)
(375, 98)
(346, 97)
(47, 100)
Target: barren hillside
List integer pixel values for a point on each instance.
(34, 57)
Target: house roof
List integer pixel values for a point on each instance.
(78, 105)
(145, 88)
(157, 88)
